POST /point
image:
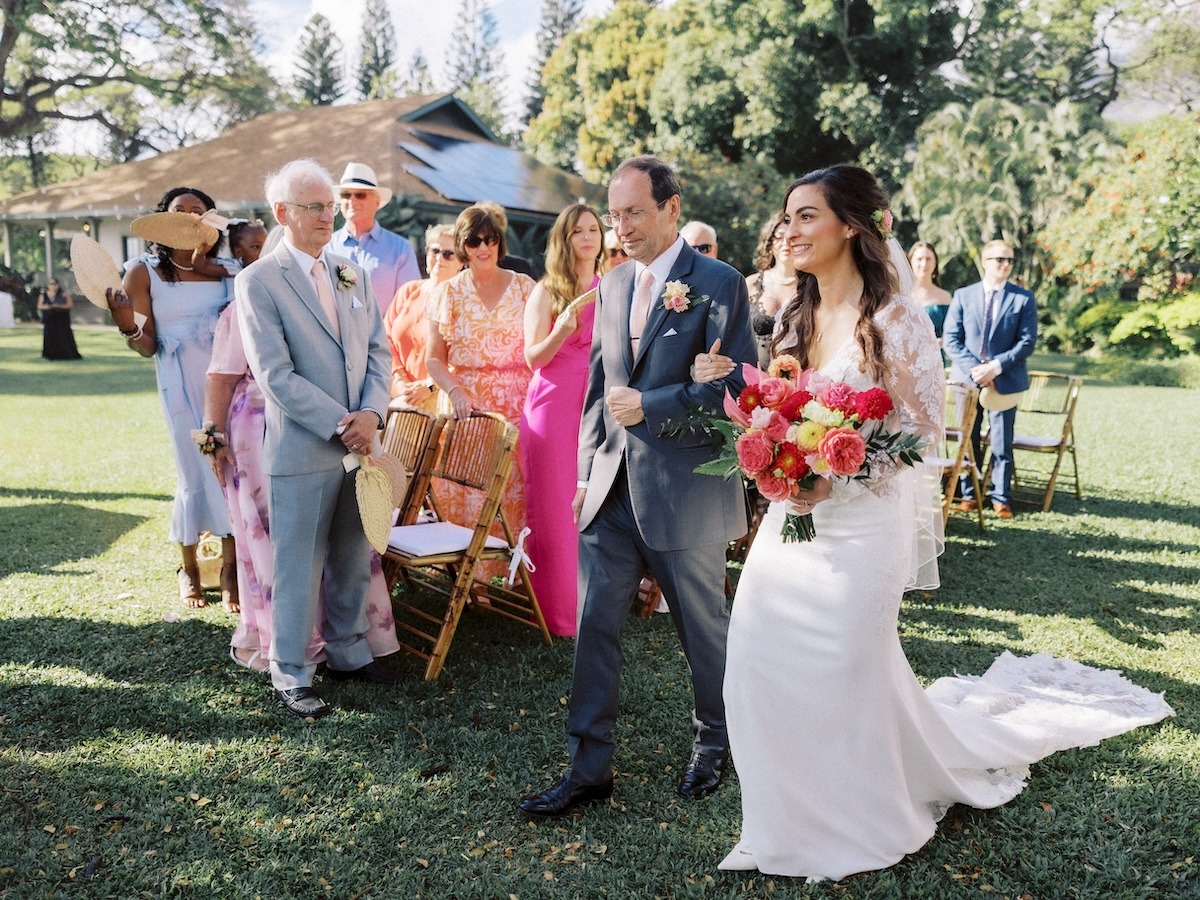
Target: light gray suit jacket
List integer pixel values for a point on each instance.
(675, 508)
(310, 378)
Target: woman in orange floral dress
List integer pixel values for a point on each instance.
(476, 349)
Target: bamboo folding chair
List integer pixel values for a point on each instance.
(443, 556)
(1045, 421)
(411, 436)
(962, 406)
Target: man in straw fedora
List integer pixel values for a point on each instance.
(315, 342)
(990, 331)
(388, 258)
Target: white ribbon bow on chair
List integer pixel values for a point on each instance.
(518, 556)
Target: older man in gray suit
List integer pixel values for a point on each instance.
(640, 504)
(315, 342)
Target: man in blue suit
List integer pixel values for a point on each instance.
(991, 328)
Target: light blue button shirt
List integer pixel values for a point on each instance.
(386, 257)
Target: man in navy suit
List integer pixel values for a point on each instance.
(990, 331)
(640, 505)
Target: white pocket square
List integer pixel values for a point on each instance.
(355, 303)
(669, 333)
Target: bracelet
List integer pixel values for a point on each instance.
(132, 335)
(208, 439)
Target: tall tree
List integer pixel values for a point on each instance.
(60, 60)
(376, 49)
(559, 18)
(318, 78)
(473, 61)
(418, 80)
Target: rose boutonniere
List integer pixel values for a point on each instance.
(346, 278)
(676, 297)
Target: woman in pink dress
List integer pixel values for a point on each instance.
(557, 343)
(476, 350)
(234, 404)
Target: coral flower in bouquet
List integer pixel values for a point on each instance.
(789, 427)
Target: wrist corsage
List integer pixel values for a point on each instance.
(208, 439)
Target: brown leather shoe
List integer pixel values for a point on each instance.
(967, 506)
(1003, 510)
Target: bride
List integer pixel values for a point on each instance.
(846, 764)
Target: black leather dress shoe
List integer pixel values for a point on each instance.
(702, 775)
(372, 673)
(564, 797)
(304, 702)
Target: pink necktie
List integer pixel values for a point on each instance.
(325, 295)
(641, 308)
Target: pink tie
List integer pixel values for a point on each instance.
(325, 295)
(641, 308)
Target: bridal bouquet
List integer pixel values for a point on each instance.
(789, 427)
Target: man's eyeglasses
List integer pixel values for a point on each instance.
(445, 254)
(357, 195)
(1006, 260)
(702, 248)
(629, 217)
(315, 209)
(475, 240)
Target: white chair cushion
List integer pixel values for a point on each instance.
(435, 538)
(1025, 440)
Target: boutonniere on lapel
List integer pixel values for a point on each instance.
(346, 278)
(676, 297)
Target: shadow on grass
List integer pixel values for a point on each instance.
(50, 494)
(40, 536)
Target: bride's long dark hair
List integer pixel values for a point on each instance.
(856, 199)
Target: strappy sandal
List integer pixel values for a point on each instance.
(254, 662)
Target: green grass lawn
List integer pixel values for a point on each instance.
(137, 761)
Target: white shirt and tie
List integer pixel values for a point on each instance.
(648, 284)
(322, 283)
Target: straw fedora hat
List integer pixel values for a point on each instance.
(362, 177)
(994, 401)
(94, 269)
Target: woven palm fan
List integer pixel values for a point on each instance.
(177, 230)
(379, 485)
(95, 271)
(581, 301)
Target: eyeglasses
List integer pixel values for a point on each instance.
(1006, 260)
(702, 248)
(445, 254)
(315, 209)
(357, 195)
(475, 240)
(629, 217)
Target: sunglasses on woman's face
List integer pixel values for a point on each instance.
(445, 254)
(475, 240)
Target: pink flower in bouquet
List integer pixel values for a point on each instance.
(750, 398)
(772, 486)
(844, 449)
(872, 404)
(839, 396)
(754, 452)
(771, 423)
(775, 391)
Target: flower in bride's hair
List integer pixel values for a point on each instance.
(883, 222)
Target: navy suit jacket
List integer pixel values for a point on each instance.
(675, 508)
(1014, 334)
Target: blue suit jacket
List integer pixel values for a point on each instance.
(1014, 334)
(675, 508)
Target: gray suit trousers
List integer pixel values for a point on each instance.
(612, 558)
(315, 531)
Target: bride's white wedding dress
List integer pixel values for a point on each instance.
(846, 763)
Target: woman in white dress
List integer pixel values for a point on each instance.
(846, 764)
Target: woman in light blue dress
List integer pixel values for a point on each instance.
(181, 305)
